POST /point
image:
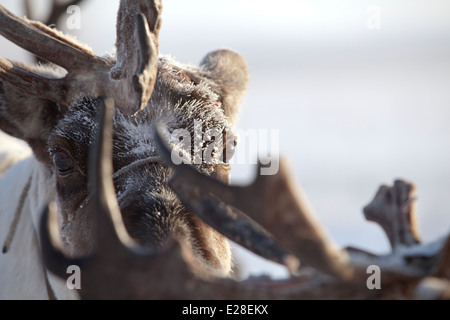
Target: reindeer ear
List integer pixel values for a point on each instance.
(27, 117)
(230, 71)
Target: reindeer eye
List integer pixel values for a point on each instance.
(63, 162)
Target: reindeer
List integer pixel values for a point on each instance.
(142, 224)
(57, 115)
(412, 270)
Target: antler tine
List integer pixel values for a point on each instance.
(31, 38)
(30, 82)
(394, 209)
(130, 82)
(278, 204)
(138, 26)
(52, 257)
(112, 232)
(289, 215)
(232, 223)
(227, 220)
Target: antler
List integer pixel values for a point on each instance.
(123, 271)
(130, 83)
(276, 202)
(137, 69)
(279, 205)
(394, 209)
(221, 215)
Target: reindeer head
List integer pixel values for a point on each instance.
(58, 115)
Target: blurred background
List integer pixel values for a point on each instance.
(359, 91)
